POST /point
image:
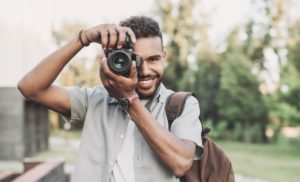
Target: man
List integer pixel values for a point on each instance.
(135, 145)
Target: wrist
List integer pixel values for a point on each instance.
(83, 39)
(126, 102)
(132, 97)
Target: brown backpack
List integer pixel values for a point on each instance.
(214, 165)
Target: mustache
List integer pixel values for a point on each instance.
(141, 77)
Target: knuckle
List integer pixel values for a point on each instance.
(121, 41)
(104, 71)
(112, 32)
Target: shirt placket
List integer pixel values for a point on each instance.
(118, 142)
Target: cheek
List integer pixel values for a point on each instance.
(160, 69)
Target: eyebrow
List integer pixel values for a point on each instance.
(153, 57)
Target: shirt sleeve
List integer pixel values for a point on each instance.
(188, 126)
(79, 102)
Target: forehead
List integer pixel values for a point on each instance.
(148, 46)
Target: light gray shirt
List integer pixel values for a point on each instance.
(105, 125)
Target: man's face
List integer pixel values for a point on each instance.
(150, 49)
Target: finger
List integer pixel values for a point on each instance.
(113, 36)
(104, 80)
(102, 61)
(104, 37)
(98, 38)
(131, 34)
(101, 55)
(111, 83)
(122, 36)
(105, 69)
(133, 72)
(102, 76)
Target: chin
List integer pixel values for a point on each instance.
(148, 93)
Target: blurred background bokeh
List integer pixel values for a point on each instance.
(240, 57)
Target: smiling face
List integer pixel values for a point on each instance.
(150, 76)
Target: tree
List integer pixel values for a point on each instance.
(239, 99)
(80, 72)
(191, 62)
(181, 29)
(289, 93)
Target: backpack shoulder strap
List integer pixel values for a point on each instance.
(175, 104)
(174, 107)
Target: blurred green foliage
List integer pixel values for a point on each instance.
(239, 96)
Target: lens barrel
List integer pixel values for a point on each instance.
(119, 61)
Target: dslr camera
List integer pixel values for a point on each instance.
(119, 60)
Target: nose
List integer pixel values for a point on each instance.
(145, 69)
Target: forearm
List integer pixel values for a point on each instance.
(45, 73)
(174, 153)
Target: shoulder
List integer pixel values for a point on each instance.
(192, 100)
(165, 93)
(97, 92)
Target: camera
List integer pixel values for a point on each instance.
(119, 60)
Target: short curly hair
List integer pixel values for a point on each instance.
(142, 26)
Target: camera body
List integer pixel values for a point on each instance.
(119, 60)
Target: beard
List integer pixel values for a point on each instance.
(148, 93)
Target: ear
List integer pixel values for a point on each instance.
(165, 59)
(164, 55)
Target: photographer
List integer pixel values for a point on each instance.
(125, 135)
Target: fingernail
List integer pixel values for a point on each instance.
(119, 46)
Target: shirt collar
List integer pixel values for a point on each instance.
(112, 100)
(161, 93)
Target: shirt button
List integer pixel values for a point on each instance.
(122, 136)
(137, 157)
(111, 163)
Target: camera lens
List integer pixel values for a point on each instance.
(119, 62)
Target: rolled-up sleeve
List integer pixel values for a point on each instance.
(188, 126)
(78, 98)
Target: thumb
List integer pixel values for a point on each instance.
(133, 71)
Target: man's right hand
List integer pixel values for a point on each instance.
(108, 35)
(37, 86)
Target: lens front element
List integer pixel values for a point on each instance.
(119, 62)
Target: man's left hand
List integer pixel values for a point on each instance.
(117, 85)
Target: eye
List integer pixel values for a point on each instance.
(154, 58)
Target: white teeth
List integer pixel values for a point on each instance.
(146, 83)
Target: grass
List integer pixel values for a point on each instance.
(66, 134)
(277, 163)
(58, 151)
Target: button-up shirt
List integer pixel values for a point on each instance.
(105, 125)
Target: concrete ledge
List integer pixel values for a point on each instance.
(8, 176)
(42, 171)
